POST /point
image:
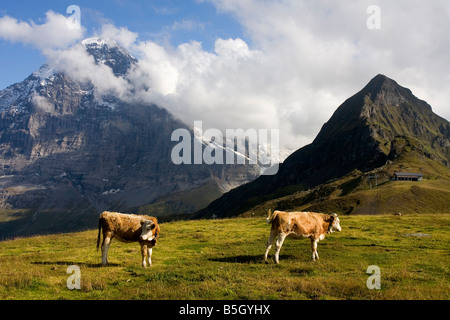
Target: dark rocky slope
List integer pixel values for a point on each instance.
(66, 154)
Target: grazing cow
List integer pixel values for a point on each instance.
(128, 228)
(299, 225)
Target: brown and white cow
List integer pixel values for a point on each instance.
(128, 228)
(299, 225)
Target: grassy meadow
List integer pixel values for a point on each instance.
(222, 259)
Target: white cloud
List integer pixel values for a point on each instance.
(156, 69)
(80, 66)
(54, 33)
(42, 104)
(198, 85)
(304, 60)
(321, 52)
(123, 36)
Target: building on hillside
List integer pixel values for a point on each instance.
(407, 176)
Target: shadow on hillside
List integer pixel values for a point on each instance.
(247, 258)
(70, 263)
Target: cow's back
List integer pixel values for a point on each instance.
(308, 223)
(127, 227)
(302, 224)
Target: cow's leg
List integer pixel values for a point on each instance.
(315, 255)
(107, 237)
(278, 245)
(272, 237)
(149, 250)
(144, 254)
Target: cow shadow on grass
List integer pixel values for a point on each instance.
(70, 263)
(248, 258)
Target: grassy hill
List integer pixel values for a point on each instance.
(222, 259)
(357, 193)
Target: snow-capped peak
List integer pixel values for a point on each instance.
(108, 52)
(44, 72)
(99, 42)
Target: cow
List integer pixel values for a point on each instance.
(128, 228)
(299, 225)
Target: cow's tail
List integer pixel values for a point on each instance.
(270, 216)
(99, 231)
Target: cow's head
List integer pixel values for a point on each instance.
(148, 230)
(334, 224)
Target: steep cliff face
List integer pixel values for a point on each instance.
(375, 125)
(67, 154)
(392, 111)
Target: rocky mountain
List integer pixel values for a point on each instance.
(381, 129)
(67, 154)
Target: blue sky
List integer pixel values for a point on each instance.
(171, 22)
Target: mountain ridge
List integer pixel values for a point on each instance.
(68, 153)
(369, 129)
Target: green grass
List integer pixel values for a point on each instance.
(222, 259)
(389, 198)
